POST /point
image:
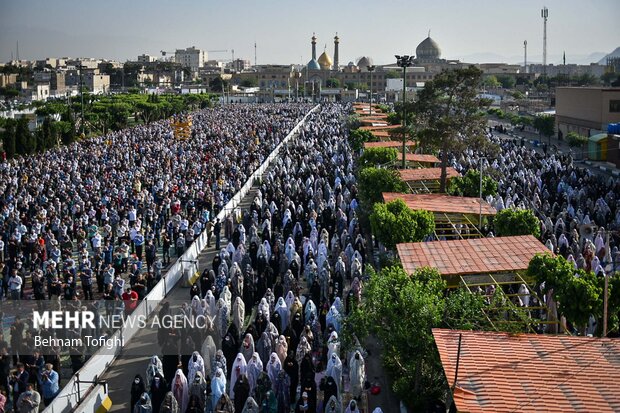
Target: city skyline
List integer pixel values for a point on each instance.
(123, 30)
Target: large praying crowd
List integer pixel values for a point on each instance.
(578, 210)
(577, 207)
(102, 218)
(276, 294)
(100, 214)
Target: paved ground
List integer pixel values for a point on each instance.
(121, 373)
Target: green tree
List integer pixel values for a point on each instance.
(491, 81)
(578, 293)
(609, 77)
(358, 137)
(9, 92)
(8, 138)
(332, 83)
(377, 156)
(394, 223)
(511, 221)
(469, 185)
(373, 182)
(217, 84)
(576, 140)
(393, 74)
(545, 124)
(354, 122)
(507, 82)
(249, 82)
(450, 115)
(393, 118)
(25, 141)
(46, 135)
(148, 111)
(401, 310)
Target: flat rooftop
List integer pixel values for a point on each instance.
(471, 256)
(442, 203)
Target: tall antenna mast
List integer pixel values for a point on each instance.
(525, 56)
(544, 13)
(255, 64)
(17, 51)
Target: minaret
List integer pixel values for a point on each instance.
(313, 46)
(336, 41)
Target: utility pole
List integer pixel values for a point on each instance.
(404, 62)
(525, 56)
(82, 96)
(544, 13)
(605, 292)
(371, 68)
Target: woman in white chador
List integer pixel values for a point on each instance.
(196, 364)
(180, 389)
(334, 370)
(152, 369)
(254, 369)
(357, 373)
(238, 368)
(218, 387)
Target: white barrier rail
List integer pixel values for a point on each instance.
(70, 396)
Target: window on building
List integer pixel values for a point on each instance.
(614, 106)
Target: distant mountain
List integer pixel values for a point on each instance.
(615, 53)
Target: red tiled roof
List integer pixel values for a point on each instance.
(426, 174)
(501, 372)
(442, 203)
(373, 128)
(420, 157)
(471, 256)
(387, 144)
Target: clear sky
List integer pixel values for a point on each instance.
(472, 30)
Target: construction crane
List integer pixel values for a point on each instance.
(217, 51)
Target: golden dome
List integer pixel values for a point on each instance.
(325, 61)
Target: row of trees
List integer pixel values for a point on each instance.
(102, 114)
(17, 139)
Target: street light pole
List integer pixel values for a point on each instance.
(371, 69)
(404, 62)
(480, 221)
(82, 97)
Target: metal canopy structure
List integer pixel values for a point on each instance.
(455, 217)
(425, 180)
(475, 256)
(510, 307)
(493, 267)
(387, 144)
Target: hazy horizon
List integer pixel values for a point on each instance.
(123, 30)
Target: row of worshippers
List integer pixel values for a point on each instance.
(578, 209)
(294, 337)
(74, 216)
